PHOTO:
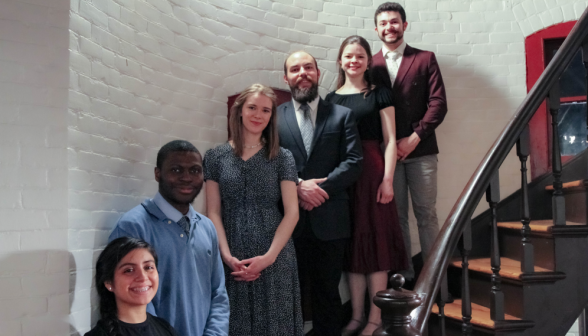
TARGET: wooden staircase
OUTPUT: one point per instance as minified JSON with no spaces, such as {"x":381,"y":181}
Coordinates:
{"x":543,"y":302}
{"x":520,"y":268}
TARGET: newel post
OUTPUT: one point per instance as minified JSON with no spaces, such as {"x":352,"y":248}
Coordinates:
{"x":397,"y":304}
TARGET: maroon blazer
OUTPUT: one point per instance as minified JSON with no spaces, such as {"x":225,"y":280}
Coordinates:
{"x":419,"y":96}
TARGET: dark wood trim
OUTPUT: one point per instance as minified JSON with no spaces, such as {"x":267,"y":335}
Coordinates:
{"x":579,"y":231}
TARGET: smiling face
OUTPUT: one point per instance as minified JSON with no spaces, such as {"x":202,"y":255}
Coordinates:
{"x":180,"y":179}
{"x":354,"y":60}
{"x":256,"y":113}
{"x":302,"y":76}
{"x":390,"y":28}
{"x":135,"y":280}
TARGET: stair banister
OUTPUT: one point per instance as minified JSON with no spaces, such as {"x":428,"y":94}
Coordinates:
{"x":429,"y":281}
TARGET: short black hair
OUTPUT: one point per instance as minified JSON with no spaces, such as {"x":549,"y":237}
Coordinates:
{"x":390,"y":7}
{"x":286,"y":60}
{"x":174,"y":146}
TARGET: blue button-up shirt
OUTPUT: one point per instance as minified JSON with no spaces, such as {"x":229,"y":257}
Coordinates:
{"x":192,"y":295}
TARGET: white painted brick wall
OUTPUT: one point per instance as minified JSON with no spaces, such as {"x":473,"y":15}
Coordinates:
{"x":34,"y":258}
{"x":143,"y":72}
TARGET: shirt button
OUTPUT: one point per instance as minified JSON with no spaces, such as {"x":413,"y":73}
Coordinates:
{"x":182,"y":235}
{"x":168,"y":222}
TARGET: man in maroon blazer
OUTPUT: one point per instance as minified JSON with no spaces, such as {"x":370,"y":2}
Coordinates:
{"x":419,"y":95}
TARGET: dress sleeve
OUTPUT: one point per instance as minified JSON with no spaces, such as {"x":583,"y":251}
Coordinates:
{"x":329,"y":96}
{"x":384,"y":97}
{"x":210,"y":165}
{"x":287,"y":166}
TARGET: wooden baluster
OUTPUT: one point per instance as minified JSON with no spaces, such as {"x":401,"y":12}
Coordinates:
{"x":585,"y":60}
{"x":441,"y":300}
{"x":496,"y":295}
{"x":465,"y":246}
{"x":557,"y":200}
{"x":527,"y":263}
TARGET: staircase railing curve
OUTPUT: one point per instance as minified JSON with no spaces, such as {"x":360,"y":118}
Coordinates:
{"x":397,"y":303}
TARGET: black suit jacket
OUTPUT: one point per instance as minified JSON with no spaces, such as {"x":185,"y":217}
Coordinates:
{"x":419,"y":94}
{"x":335,"y":154}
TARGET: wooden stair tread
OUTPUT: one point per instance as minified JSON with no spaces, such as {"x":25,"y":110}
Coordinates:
{"x":569,"y":185}
{"x":480,"y":314}
{"x":543,"y":225}
{"x":509,"y":268}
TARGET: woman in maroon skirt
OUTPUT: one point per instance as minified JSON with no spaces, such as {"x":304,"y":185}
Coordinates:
{"x":376,"y":245}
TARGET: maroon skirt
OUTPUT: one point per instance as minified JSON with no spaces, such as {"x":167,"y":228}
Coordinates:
{"x":376,"y":240}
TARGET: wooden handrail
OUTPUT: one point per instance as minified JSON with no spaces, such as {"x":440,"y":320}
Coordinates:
{"x":430,"y":278}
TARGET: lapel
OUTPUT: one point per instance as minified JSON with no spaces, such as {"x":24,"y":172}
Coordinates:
{"x":290,"y":117}
{"x":407,"y":60}
{"x":322,"y":114}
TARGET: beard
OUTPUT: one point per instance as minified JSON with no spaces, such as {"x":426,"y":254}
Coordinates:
{"x":399,"y":36}
{"x":304,"y":95}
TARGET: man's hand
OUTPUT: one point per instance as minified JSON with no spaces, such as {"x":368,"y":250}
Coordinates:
{"x":405,"y":146}
{"x":309,"y":192}
{"x":304,"y":205}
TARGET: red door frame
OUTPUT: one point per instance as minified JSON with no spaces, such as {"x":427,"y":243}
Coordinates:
{"x":540,"y":123}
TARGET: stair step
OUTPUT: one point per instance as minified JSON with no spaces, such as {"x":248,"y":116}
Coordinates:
{"x":579,"y":184}
{"x":546,"y":226}
{"x":509,"y":268}
{"x":481,"y":317}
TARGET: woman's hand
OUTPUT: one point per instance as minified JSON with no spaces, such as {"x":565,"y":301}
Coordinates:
{"x":385,"y":193}
{"x":240,"y":272}
{"x":257,"y":264}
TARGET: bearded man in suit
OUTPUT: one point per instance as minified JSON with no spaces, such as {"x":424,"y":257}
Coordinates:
{"x":414,"y":77}
{"x":324,"y":141}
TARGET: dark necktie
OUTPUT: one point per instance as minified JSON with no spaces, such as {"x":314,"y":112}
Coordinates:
{"x":184,"y":223}
{"x":306,"y":128}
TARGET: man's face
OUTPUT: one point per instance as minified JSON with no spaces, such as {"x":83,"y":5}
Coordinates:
{"x":180,"y":178}
{"x":390,"y":27}
{"x":302,"y":76}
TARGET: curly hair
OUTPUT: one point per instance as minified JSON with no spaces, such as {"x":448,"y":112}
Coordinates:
{"x":114,"y":252}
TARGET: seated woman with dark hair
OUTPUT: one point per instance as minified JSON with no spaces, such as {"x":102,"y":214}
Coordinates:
{"x":126,"y":281}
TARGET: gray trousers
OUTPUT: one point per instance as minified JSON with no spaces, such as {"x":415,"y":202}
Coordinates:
{"x":419,"y":175}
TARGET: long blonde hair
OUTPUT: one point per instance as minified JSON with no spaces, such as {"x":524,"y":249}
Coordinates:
{"x":269,"y":134}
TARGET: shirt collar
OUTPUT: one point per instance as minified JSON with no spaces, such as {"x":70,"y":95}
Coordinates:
{"x":312,"y":104}
{"x":172,"y":213}
{"x":399,"y":50}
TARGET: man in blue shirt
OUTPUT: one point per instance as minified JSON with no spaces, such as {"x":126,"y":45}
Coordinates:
{"x":192,"y":295}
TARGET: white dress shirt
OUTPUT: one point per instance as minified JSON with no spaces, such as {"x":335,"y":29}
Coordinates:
{"x":393,"y":59}
{"x":313,"y":110}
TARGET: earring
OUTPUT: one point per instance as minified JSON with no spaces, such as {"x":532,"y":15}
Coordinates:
{"x":109,"y":288}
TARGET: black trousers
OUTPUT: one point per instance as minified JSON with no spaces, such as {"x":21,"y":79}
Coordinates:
{"x":320,"y":264}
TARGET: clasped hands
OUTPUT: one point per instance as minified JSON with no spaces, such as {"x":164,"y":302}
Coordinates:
{"x":310,"y":195}
{"x":248,"y":269}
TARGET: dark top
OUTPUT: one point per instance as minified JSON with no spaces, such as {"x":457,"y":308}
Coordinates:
{"x":153,"y":326}
{"x":366,"y":110}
